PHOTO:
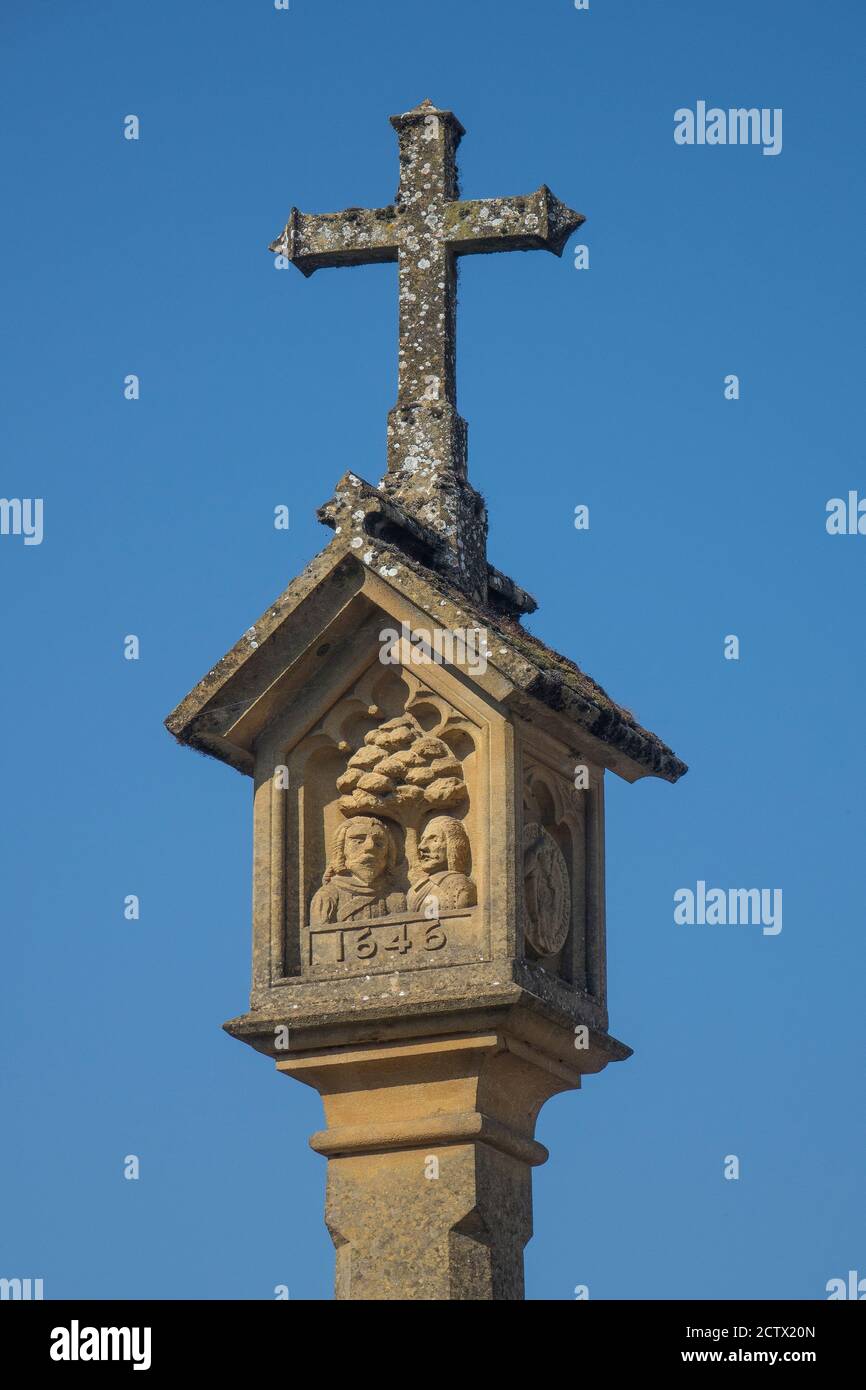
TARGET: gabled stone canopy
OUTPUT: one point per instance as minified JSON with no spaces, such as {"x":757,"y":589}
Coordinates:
{"x":382,"y":561}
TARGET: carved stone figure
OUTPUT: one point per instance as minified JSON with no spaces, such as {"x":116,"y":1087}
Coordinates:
{"x":357,"y":885}
{"x":442,"y":868}
{"x":546,"y":890}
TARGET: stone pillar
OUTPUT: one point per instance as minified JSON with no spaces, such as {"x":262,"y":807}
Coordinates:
{"x":430,"y":1145}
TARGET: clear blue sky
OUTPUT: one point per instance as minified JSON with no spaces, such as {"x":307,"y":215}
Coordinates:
{"x":602,"y":387}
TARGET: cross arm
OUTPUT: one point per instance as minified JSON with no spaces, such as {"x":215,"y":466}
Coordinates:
{"x":539,"y":222}
{"x":356,"y":236}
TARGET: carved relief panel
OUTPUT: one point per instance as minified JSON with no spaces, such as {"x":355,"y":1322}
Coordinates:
{"x":563,"y":871}
{"x":378,"y":848}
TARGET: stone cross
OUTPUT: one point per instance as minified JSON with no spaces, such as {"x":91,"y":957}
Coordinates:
{"x":428,"y":870}
{"x":424,"y":230}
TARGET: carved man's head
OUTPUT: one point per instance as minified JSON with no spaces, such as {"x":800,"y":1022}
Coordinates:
{"x":444,"y":845}
{"x":364,"y":846}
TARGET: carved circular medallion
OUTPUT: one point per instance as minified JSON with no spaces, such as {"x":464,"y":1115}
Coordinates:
{"x":546,"y":891}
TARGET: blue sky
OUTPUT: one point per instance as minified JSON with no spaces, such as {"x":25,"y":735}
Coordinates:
{"x":602,"y":387}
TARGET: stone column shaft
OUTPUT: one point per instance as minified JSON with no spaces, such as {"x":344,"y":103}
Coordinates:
{"x":430,"y":1148}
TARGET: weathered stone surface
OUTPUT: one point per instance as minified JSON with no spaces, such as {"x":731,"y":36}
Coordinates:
{"x":379,"y":548}
{"x":425,"y":230}
{"x":428,"y":873}
{"x":462,"y":1085}
{"x":430,"y":1148}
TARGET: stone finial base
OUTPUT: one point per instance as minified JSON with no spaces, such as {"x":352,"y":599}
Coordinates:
{"x":430,"y":1148}
{"x":427,"y":475}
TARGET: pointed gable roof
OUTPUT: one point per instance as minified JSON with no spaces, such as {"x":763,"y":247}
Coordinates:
{"x":381,"y":560}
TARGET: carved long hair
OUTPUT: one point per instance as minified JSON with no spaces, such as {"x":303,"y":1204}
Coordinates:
{"x":457,"y":848}
{"x":337,"y":861}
